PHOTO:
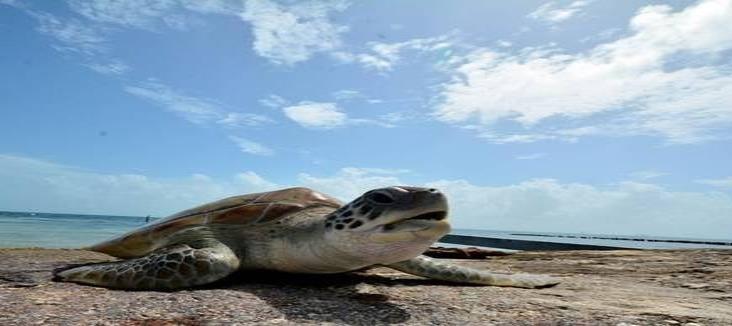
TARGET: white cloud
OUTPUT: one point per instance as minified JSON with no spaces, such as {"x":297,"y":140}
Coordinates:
{"x":384,"y":56}
{"x":151,"y":14}
{"x":255,"y":180}
{"x":87,"y":38}
{"x":625,"y":87}
{"x":287,"y":34}
{"x":504,"y":43}
{"x":722,"y":182}
{"x":250,"y":147}
{"x":273,"y":101}
{"x":647,"y":174}
{"x":347,"y":94}
{"x":194,"y":109}
{"x":604,"y":35}
{"x":399,"y":116}
{"x":369,"y":171}
{"x":77,"y":38}
{"x":327,"y":115}
{"x":236,"y":119}
{"x":532,"y":156}
{"x":13,"y":3}
{"x":520,"y":138}
{"x":142,"y":14}
{"x":224,"y":7}
{"x":349,"y":183}
{"x":553,"y":12}
{"x":111,"y":68}
{"x":31,"y":184}
{"x":72,"y":35}
{"x":88,"y":41}
{"x":316,"y":115}
{"x":283,"y":33}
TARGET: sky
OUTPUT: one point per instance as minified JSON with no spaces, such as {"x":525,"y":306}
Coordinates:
{"x":609,"y":117}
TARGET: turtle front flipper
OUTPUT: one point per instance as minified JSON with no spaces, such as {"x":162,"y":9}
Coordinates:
{"x":168,"y":268}
{"x":429,"y":268}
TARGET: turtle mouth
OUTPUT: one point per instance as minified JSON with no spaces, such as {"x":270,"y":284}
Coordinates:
{"x":436,"y":216}
{"x":430,"y":216}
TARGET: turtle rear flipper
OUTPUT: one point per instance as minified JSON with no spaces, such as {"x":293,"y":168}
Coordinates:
{"x":168,"y":268}
{"x":429,"y":268}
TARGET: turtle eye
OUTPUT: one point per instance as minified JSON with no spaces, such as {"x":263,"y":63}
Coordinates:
{"x":380,"y":198}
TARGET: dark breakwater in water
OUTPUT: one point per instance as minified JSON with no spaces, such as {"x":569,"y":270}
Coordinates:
{"x":523,"y":239}
{"x":623,"y":238}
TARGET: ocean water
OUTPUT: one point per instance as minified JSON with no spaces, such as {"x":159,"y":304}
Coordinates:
{"x":49,"y":230}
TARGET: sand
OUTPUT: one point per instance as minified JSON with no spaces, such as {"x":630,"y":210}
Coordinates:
{"x":654,"y":287}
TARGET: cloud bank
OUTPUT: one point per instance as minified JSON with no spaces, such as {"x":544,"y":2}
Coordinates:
{"x":627,"y":87}
{"x":533,"y":205}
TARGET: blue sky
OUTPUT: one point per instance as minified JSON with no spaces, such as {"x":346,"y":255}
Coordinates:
{"x":574,"y":116}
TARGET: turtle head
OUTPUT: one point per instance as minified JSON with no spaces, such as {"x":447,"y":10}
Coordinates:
{"x":390,"y":224}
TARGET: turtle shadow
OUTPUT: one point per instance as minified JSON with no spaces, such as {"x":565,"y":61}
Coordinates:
{"x":332,"y":298}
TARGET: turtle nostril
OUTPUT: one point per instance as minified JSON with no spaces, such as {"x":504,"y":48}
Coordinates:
{"x":433,"y":190}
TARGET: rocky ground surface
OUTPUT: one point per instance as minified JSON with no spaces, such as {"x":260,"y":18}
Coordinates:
{"x":680,"y":287}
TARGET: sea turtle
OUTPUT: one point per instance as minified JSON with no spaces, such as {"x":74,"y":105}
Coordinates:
{"x":295,"y":230}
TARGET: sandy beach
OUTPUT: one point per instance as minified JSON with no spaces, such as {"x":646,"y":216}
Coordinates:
{"x":655,"y":287}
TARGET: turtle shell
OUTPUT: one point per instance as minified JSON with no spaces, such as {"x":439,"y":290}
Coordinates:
{"x":249,"y":209}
